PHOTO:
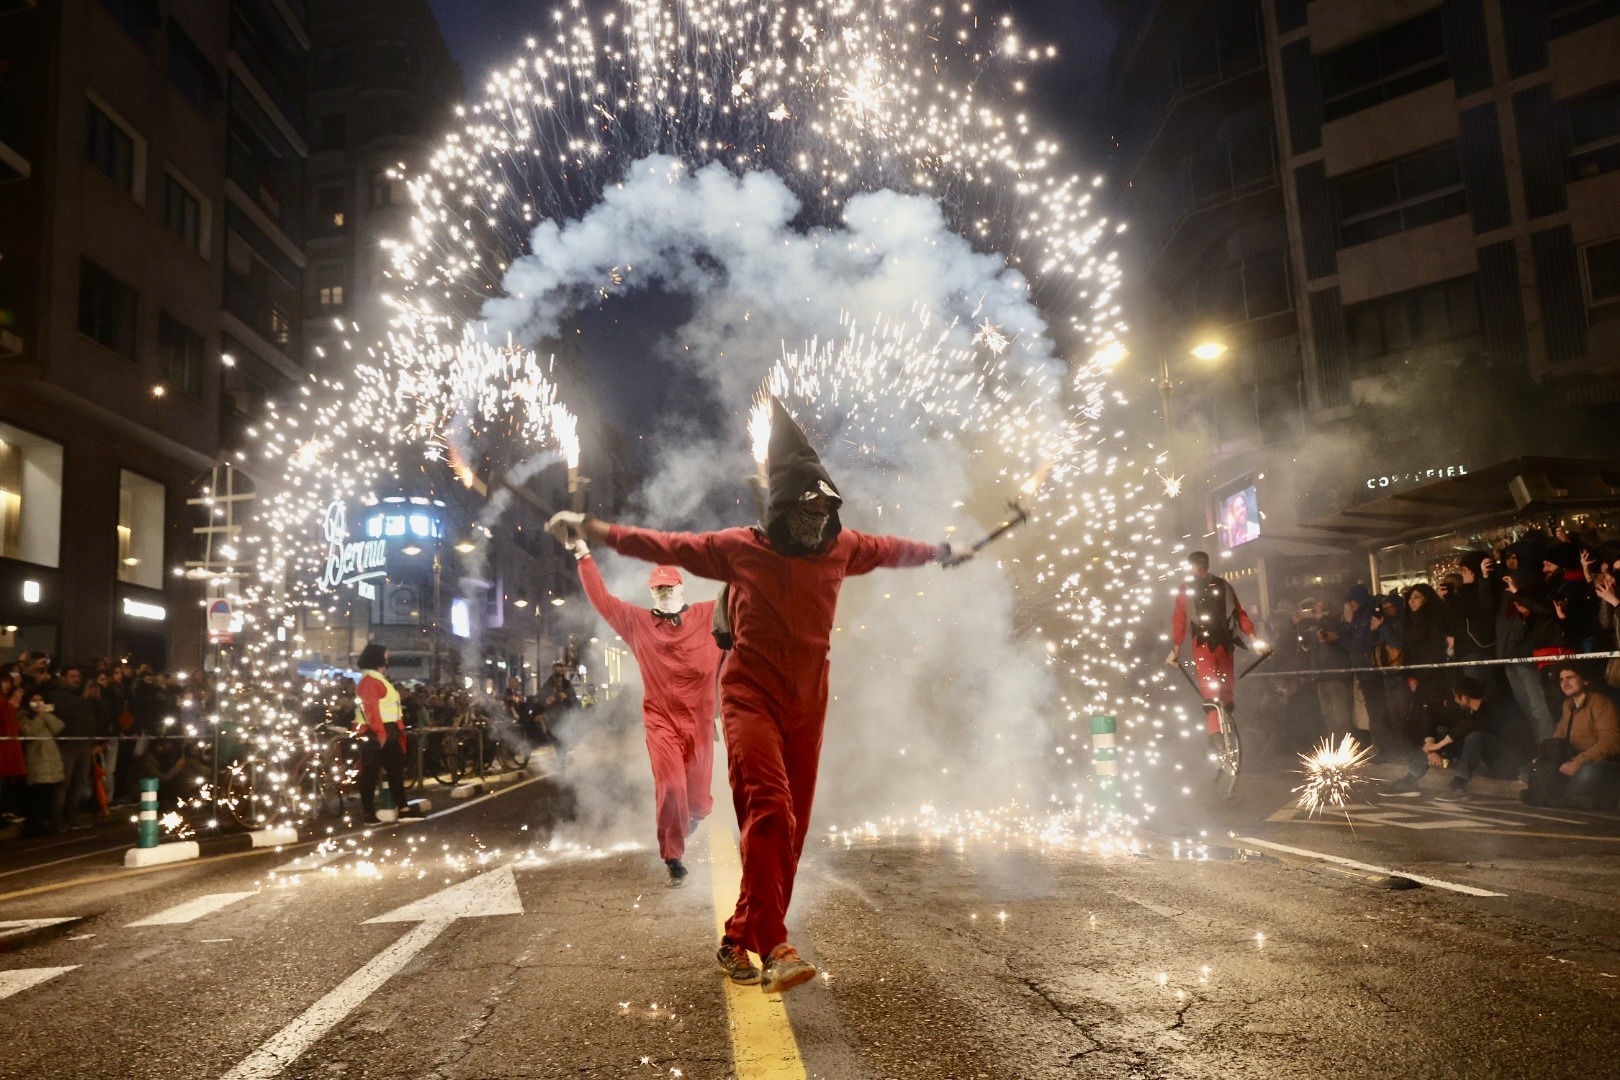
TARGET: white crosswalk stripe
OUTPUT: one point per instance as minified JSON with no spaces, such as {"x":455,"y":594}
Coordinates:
{"x":192,"y":910}
{"x":20,"y":979}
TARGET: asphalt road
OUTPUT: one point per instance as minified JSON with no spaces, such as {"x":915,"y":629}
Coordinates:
{"x":1219,"y":941}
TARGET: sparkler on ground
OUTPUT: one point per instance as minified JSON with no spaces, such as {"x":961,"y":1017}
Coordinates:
{"x":1332,"y":771}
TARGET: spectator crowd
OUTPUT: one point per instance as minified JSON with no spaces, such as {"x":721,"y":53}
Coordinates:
{"x":1533,"y":712}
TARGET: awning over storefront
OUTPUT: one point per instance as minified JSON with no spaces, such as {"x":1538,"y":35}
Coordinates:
{"x":1521,"y":488}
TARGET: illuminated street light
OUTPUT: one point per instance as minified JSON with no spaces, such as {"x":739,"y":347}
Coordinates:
{"x":1209,"y":350}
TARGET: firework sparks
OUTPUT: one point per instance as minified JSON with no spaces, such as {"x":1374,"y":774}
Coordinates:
{"x":1332,"y":771}
{"x":837,"y":98}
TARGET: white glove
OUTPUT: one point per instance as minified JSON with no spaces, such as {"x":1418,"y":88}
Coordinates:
{"x":580,"y":548}
{"x":953,"y":554}
{"x":567,"y":526}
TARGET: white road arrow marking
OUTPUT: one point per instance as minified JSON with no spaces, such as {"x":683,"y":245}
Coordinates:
{"x":17,"y":927}
{"x":20,"y":979}
{"x":494,"y":893}
{"x":192,"y":910}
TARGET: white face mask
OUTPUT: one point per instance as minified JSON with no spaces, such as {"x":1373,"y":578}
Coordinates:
{"x":669,"y":598}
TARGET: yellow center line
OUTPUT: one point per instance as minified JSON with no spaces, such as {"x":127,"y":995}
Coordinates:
{"x":762,"y":1042}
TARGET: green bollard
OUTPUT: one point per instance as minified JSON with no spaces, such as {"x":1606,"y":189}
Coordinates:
{"x":1105,"y":762}
{"x":148,"y":831}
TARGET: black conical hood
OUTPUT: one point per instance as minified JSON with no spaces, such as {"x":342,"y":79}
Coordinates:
{"x":794,"y":470}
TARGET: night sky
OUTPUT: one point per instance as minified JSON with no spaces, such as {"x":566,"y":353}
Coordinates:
{"x":484,"y":34}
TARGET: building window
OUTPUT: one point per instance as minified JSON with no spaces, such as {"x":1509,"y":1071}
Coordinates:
{"x":334,"y":67}
{"x":180,"y":355}
{"x":106,"y":309}
{"x":398,"y":64}
{"x":332,"y":132}
{"x":30,"y":497}
{"x":280,"y":327}
{"x":1419,"y":189}
{"x":1440,"y":314}
{"x":140,"y":530}
{"x":1593,"y":124}
{"x":1244,"y":291}
{"x":1568,"y":16}
{"x":110,"y":147}
{"x":190,"y":70}
{"x":331,"y":208}
{"x":135,"y":16}
{"x":182,"y":212}
{"x":1602,"y":281}
{"x":1385,"y":66}
{"x":329,"y":285}
{"x":387,"y":191}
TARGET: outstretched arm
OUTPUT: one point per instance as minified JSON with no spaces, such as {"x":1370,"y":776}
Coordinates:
{"x":872,"y":552}
{"x":619,"y":614}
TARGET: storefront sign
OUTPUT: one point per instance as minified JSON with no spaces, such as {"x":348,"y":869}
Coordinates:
{"x":348,"y":563}
{"x":137,"y":610}
{"x":1374,"y":483}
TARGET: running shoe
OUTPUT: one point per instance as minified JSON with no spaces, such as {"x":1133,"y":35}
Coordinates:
{"x":785,"y":969}
{"x":735,"y":963}
{"x":677,"y":873}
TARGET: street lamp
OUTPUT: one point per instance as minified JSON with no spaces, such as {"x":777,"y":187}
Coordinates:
{"x":1208,"y":349}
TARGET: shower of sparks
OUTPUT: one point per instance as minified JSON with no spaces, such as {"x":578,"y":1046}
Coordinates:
{"x":1172,"y":484}
{"x":759,"y":429}
{"x":837,"y":98}
{"x":1332,"y":770}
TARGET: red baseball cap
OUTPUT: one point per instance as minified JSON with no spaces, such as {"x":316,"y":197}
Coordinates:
{"x":663,"y":575}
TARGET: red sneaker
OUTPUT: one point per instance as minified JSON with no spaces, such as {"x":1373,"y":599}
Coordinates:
{"x":785,"y":969}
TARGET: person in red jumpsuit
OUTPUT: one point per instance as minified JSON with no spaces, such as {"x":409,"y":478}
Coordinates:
{"x":679,"y":660}
{"x":1207,"y":610}
{"x":783,"y":580}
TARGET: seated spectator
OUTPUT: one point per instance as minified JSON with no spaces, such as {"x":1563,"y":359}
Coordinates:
{"x":1489,"y":737}
{"x":1579,"y":767}
{"x":180,"y":766}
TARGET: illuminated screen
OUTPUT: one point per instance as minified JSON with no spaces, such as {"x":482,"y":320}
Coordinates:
{"x":460,"y":618}
{"x":1238,"y":518}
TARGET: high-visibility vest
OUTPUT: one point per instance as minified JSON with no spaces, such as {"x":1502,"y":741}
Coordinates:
{"x":387,"y":706}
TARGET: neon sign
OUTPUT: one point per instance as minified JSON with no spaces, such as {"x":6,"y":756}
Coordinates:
{"x":350,"y":562}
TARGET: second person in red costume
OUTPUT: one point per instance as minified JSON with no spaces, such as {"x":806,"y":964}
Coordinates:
{"x":678,"y":658}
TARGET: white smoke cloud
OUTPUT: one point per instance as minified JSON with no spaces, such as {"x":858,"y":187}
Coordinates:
{"x":937,"y":699}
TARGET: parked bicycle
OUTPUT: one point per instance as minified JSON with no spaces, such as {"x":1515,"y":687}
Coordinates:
{"x":299,"y":783}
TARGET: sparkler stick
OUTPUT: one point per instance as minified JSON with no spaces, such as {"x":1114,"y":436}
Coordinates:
{"x":567,"y":428}
{"x":1017,"y":517}
{"x":1262,"y":656}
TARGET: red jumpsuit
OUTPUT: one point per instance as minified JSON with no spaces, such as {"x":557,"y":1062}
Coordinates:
{"x":773,"y":699}
{"x":678,"y":666}
{"x":1211,"y":648}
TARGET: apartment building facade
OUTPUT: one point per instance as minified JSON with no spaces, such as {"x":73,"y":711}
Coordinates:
{"x":1443,"y":180}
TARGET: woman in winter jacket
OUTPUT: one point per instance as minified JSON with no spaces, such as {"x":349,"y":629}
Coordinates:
{"x":40,"y":725}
